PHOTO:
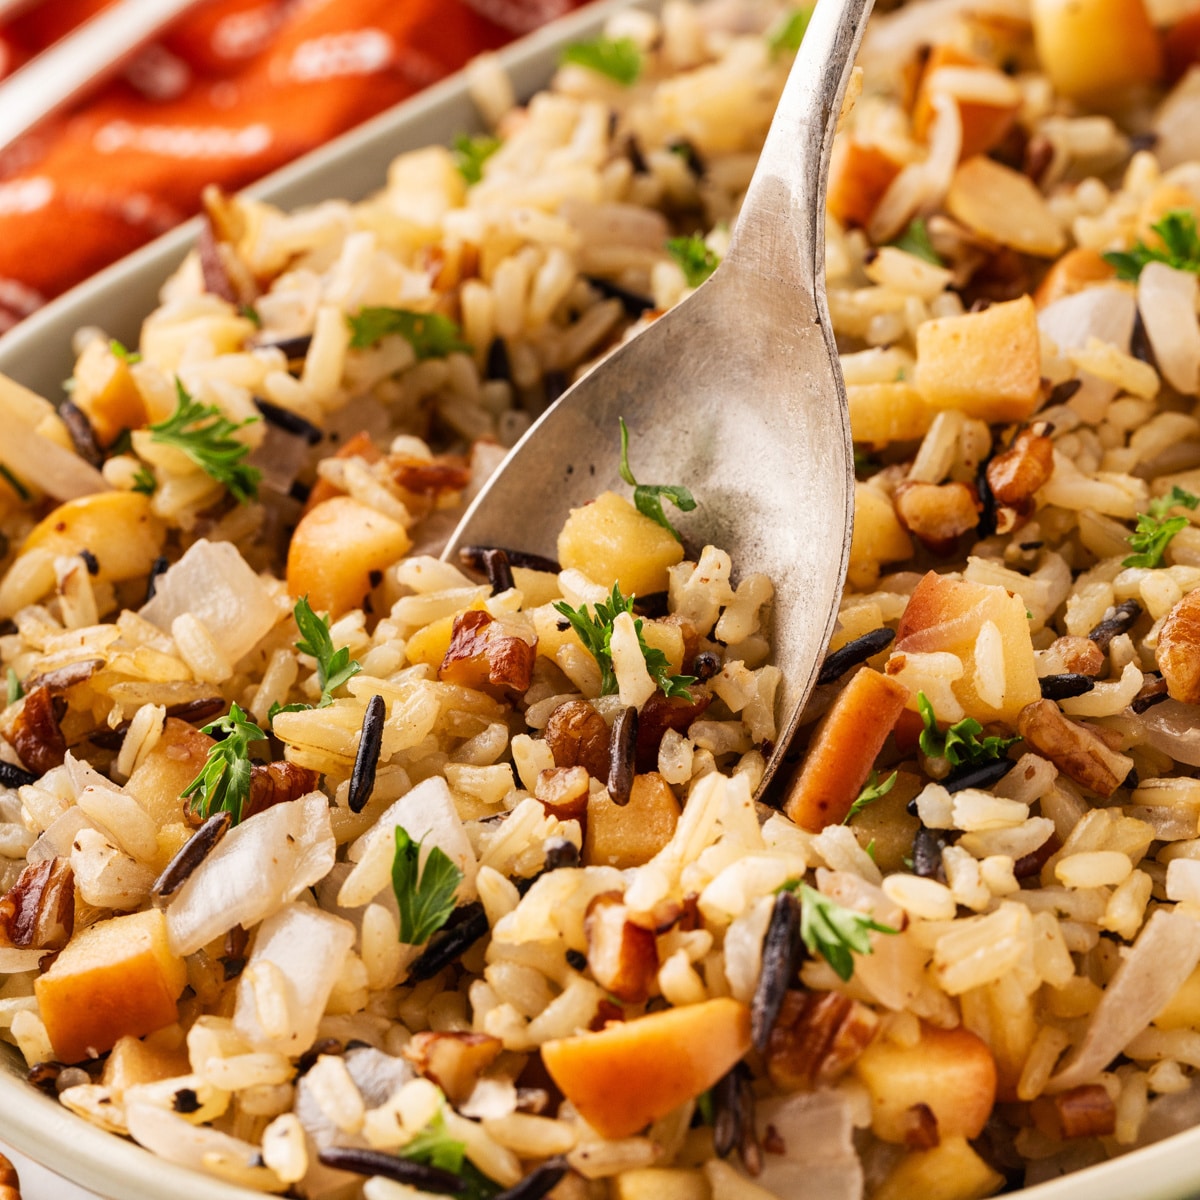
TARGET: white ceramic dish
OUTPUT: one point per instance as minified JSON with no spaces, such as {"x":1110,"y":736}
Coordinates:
{"x":38,"y":354}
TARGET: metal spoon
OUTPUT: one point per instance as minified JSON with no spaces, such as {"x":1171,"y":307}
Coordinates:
{"x":736,"y":393}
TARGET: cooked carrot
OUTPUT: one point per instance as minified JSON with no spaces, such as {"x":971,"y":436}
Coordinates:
{"x":844,"y":749}
{"x":858,"y":176}
{"x":983,"y":125}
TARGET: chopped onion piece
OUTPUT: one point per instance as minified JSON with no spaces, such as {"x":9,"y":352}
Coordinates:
{"x":1166,"y":298}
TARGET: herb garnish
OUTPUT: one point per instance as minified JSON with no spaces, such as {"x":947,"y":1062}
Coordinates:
{"x":1180,"y":247}
{"x":224,"y":782}
{"x":960,"y":743}
{"x":251,"y":314}
{"x":14,"y":689}
{"x":1155,"y":529}
{"x":874,"y":790}
{"x":695,"y":259}
{"x":23,"y":493}
{"x":595,"y":631}
{"x":435,"y":1147}
{"x":205,"y":435}
{"x":431,"y":335}
{"x":144,"y":481}
{"x":831,"y":929}
{"x":648,"y":497}
{"x":915,"y":241}
{"x":425,"y":895}
{"x":470,"y":153}
{"x":618,"y":58}
{"x":789,"y":31}
{"x":334,"y":667}
{"x":129,"y":357}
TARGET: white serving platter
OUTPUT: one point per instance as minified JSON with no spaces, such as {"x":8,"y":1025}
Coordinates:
{"x":38,"y":354}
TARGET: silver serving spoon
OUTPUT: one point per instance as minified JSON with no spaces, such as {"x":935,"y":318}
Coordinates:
{"x":736,"y":393}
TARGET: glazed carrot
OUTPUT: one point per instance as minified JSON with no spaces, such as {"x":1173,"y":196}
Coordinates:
{"x":844,"y":749}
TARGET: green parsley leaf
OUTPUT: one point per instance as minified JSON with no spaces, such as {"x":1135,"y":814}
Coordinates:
{"x":15,"y":690}
{"x":961,"y":743}
{"x":431,"y":335}
{"x":23,"y":493}
{"x":224,"y":782}
{"x":648,"y":497}
{"x":470,"y":153}
{"x":915,"y":241}
{"x":706,"y":1107}
{"x":695,"y":259}
{"x":1155,"y":529}
{"x":833,"y":931}
{"x":434,"y":1147}
{"x":251,"y":314}
{"x":788,"y":32}
{"x":1180,"y":247}
{"x":144,"y":481}
{"x":205,"y":435}
{"x":123,"y":352}
{"x":865,"y":461}
{"x":425,"y":894}
{"x":873,"y":791}
{"x":595,"y":631}
{"x":334,"y":667}
{"x":618,"y":58}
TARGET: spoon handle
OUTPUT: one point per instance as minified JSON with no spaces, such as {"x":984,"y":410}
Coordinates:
{"x":781,"y":228}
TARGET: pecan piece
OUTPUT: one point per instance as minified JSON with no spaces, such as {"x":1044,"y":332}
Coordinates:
{"x":816,"y":1039}
{"x":661,"y":713}
{"x":38,"y":911}
{"x":34,"y":733}
{"x":1077,"y":750}
{"x":622,"y":956}
{"x":276,"y":783}
{"x":62,"y":678}
{"x":1178,"y":653}
{"x":1015,"y":475}
{"x":578,"y":737}
{"x":482,"y":653}
{"x":1080,"y":655}
{"x":936,"y":514}
{"x":563,"y":792}
{"x":454,"y":1061}
{"x":1085,"y":1111}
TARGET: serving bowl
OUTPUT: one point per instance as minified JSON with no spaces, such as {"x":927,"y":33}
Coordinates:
{"x":38,"y":354}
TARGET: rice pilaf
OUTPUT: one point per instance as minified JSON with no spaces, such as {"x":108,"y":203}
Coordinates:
{"x":332,"y":869}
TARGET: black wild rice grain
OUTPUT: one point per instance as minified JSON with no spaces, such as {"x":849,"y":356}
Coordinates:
{"x":560,"y":854}
{"x":83,"y":436}
{"x":449,"y":946}
{"x":288,"y":421}
{"x":14,"y":777}
{"x":44,"y":1075}
{"x":782,"y":952}
{"x":733,"y":1117}
{"x":690,"y":155}
{"x":853,"y":653}
{"x":555,"y":383}
{"x":1139,"y":340}
{"x":292,"y":347}
{"x":90,"y":561}
{"x":1060,"y":393}
{"x":622,"y":754}
{"x":978,"y":775}
{"x":195,"y":711}
{"x":1120,"y":620}
{"x":498,"y":363}
{"x":927,"y":854}
{"x":308,"y":1059}
{"x":159,"y":565}
{"x":539,"y":1182}
{"x":499,"y":570}
{"x":186,"y":1101}
{"x":1062,"y":687}
{"x":705,"y":665}
{"x":191,"y":854}
{"x":632,"y":303}
{"x":1153,"y":692}
{"x":472,"y":557}
{"x":366,"y":761}
{"x":401,"y":1170}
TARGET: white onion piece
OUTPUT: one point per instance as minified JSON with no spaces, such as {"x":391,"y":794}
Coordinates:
{"x":1177,"y":123}
{"x":1167,"y":301}
{"x":307,"y":949}
{"x":377,"y":1076}
{"x":818,"y":1160}
{"x":1105,"y":312}
{"x":1172,"y":728}
{"x":1164,"y":955}
{"x":258,"y":867}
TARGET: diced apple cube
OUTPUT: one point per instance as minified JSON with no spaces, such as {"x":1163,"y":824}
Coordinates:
{"x":950,"y":1171}
{"x":632,"y":835}
{"x":106,"y":391}
{"x":878,"y":536}
{"x":117,"y":528}
{"x":1091,"y":47}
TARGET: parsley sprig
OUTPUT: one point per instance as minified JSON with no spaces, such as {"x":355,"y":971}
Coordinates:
{"x":915,"y":241}
{"x":224,"y":782}
{"x":435,"y":1146}
{"x":648,"y":497}
{"x":960,"y":743}
{"x":832,"y":930}
{"x":431,"y":335}
{"x":334,"y":666}
{"x":789,"y":31}
{"x":119,"y":350}
{"x":695,"y":259}
{"x":425,"y":895}
{"x":874,"y":790}
{"x":144,"y":481}
{"x":1180,"y":247}
{"x":13,"y":689}
{"x":618,"y":58}
{"x":1155,"y":529}
{"x":595,"y":630}
{"x":205,"y":435}
{"x":470,"y":153}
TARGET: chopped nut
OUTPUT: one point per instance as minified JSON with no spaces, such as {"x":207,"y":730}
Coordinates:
{"x":1080,"y":655}
{"x":661,"y":713}
{"x":563,"y":792}
{"x":936,"y":514}
{"x":481,"y":653}
{"x":10,"y":1185}
{"x":816,"y":1038}
{"x":62,"y":678}
{"x":1178,"y":652}
{"x":454,"y":1061}
{"x":38,"y":911}
{"x":277,"y":783}
{"x":1086,"y":1111}
{"x":921,"y":1132}
{"x":428,"y":478}
{"x":578,"y":737}
{"x":34,"y":733}
{"x":1077,"y":750}
{"x":622,"y":956}
{"x":1015,"y":475}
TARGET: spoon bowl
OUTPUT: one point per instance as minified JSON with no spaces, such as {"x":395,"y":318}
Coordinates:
{"x":736,"y":394}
